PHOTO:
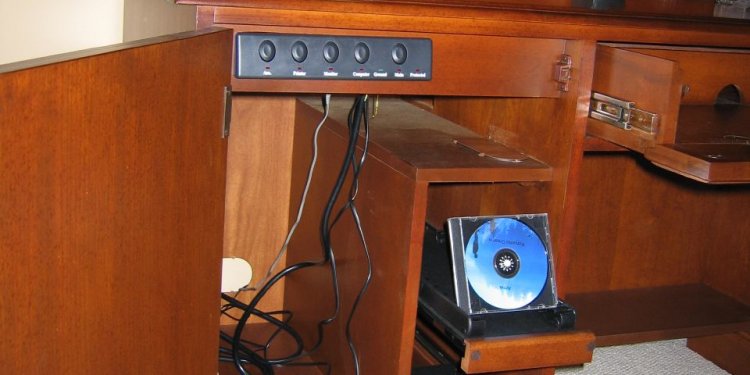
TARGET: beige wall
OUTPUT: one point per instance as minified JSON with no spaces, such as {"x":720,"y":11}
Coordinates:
{"x":36,"y":28}
{"x":147,"y":18}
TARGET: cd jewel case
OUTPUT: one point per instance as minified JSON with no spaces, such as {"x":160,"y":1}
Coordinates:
{"x":490,"y":276}
{"x":502,"y":263}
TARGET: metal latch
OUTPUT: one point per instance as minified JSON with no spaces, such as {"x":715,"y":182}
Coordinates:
{"x":562,"y":72}
{"x":227,"y":120}
{"x":622,"y":114}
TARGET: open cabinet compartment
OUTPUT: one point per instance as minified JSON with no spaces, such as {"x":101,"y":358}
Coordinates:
{"x":411,"y":154}
{"x":701,"y":129}
{"x":657,"y":255}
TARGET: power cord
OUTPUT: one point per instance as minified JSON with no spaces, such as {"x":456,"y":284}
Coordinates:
{"x":239,"y":353}
{"x":351,"y":207}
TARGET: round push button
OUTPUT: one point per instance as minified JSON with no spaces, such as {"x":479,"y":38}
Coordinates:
{"x":267,"y":50}
{"x":331,"y":52}
{"x":398,"y":53}
{"x":361,"y":53}
{"x":299,"y":51}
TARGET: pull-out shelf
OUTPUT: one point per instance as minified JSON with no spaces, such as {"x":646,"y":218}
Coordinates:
{"x":689,"y":134}
{"x":712,"y":145}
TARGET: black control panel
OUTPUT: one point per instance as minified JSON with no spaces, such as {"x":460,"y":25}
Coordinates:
{"x":284,"y":56}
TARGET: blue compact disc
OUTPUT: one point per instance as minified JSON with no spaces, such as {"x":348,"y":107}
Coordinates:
{"x":506,"y":263}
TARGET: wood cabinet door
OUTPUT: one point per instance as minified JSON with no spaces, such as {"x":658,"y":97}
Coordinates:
{"x":112,"y":166}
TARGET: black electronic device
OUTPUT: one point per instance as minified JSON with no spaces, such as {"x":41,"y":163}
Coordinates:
{"x":286,"y":56}
{"x":490,"y":277}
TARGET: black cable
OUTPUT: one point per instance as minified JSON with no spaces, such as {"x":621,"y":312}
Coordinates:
{"x":250,"y":309}
{"x":281,"y":326}
{"x":356,"y":112}
{"x":240,"y":354}
{"x":360,"y":232}
{"x":350,"y":206}
{"x":353,"y":135}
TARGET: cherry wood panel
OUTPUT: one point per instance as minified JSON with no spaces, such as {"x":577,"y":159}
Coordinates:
{"x":652,"y":83}
{"x":461,"y":65}
{"x":510,"y":355}
{"x":691,"y":141}
{"x":617,"y":221}
{"x":640,"y":226}
{"x":731,"y":351}
{"x":393,"y":206}
{"x":453,"y":200}
{"x":112,"y":208}
{"x":523,"y":352}
{"x":705,"y":162}
{"x":651,"y":314}
{"x":706,"y":71}
{"x":714,"y":124}
{"x":696,"y":11}
{"x":426,"y":147}
{"x":489,"y":19}
{"x":392,"y":213}
{"x":594,"y":143}
{"x":533,"y":126}
{"x":258,"y":203}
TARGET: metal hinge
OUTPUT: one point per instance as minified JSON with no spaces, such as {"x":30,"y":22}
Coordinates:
{"x":563,"y":69}
{"x":227,"y":112}
{"x":622,"y":113}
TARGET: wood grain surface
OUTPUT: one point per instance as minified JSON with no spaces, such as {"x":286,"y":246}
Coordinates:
{"x":112,"y":203}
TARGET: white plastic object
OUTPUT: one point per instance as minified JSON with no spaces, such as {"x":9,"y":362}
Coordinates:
{"x":235,"y":274}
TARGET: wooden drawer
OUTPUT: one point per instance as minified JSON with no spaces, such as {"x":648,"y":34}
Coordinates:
{"x":701,"y":129}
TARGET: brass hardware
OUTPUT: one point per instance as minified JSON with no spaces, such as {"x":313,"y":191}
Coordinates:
{"x":376,"y":107}
{"x":563,"y":70}
{"x":227,"y":112}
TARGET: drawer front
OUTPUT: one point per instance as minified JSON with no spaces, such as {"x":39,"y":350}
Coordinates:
{"x":705,"y":72}
{"x":696,"y":94}
{"x":650,"y":83}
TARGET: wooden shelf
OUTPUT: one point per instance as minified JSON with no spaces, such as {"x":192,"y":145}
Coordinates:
{"x":712,"y":145}
{"x":709,"y":163}
{"x":421,"y":145}
{"x":638,"y":315}
{"x":715,"y":124}
{"x":596,"y":144}
{"x":704,"y":142}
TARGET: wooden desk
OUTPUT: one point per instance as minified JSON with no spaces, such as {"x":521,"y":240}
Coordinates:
{"x":643,"y":253}
{"x":623,"y":230}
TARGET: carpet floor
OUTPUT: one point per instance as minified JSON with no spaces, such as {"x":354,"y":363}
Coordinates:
{"x":654,"y":358}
